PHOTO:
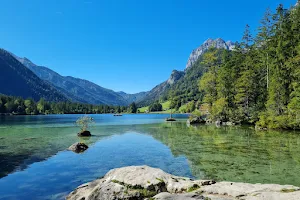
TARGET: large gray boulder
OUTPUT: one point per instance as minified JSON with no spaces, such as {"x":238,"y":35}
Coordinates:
{"x":143,"y":182}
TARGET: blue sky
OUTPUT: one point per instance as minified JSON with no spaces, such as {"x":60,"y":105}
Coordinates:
{"x":128,"y":45}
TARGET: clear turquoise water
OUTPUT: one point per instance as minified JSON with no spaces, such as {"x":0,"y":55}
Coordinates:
{"x":35,"y":165}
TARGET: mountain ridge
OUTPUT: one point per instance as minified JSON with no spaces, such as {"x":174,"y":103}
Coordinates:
{"x":84,"y":91}
{"x":79,"y":90}
{"x":18,"y":80}
{"x":161,"y":90}
{"x":218,"y":43}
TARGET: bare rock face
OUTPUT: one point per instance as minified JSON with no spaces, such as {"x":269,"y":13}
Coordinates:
{"x":218,"y":43}
{"x":143,"y":182}
{"x":175,"y":76}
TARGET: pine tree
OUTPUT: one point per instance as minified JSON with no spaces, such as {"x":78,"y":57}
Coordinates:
{"x":208,"y":82}
{"x":263,"y":37}
{"x":244,"y":85}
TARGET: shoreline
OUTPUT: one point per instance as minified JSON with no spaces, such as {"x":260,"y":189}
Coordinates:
{"x":143,"y":182}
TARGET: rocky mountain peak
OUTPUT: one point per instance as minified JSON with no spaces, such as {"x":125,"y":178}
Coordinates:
{"x":218,"y":43}
{"x":175,"y":76}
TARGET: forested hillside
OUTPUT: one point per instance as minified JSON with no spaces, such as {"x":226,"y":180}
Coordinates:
{"x":259,"y":81}
{"x":184,"y":84}
{"x":17,"y":80}
{"x":20,"y":106}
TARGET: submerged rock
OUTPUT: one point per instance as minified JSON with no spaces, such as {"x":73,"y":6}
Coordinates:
{"x":78,"y":147}
{"x":84,"y":134}
{"x":143,"y":182}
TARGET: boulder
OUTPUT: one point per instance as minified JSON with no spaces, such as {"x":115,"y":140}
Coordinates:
{"x":143,"y":182}
{"x":260,"y":128}
{"x":78,"y":147}
{"x":228,"y":123}
{"x":196,"y":120}
{"x":218,"y":123}
{"x":84,"y":134}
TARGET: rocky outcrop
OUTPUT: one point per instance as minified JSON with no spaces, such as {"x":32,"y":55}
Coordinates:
{"x":161,"y":89}
{"x":218,"y":43}
{"x":143,"y":182}
{"x":78,"y":147}
{"x":175,"y":76}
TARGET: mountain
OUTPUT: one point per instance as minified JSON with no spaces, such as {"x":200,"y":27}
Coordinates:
{"x":185,"y":84}
{"x":218,"y":43}
{"x":17,"y":80}
{"x":133,"y":97}
{"x":162,"y":89}
{"x":80,"y":90}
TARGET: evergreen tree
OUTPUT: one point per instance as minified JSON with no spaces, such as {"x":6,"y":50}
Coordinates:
{"x":133,"y":108}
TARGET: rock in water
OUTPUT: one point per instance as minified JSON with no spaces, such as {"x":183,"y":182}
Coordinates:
{"x":84,"y":134}
{"x":170,"y":120}
{"x":196,"y":120}
{"x":143,"y":182}
{"x":78,"y":147}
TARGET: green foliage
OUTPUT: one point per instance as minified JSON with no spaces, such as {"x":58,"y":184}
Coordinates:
{"x":193,"y":188}
{"x":220,"y":109}
{"x":190,"y":107}
{"x":132,"y":108}
{"x":186,"y":88}
{"x":31,"y":108}
{"x":84,"y":122}
{"x":19,"y":106}
{"x":258,"y":82}
{"x":155,"y":107}
{"x":285,"y":190}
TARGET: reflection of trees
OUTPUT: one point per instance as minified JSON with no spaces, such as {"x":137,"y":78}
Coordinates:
{"x":225,"y":153}
{"x":234,"y":153}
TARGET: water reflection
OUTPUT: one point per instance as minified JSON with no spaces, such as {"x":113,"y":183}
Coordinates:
{"x":34,"y":156}
{"x":63,"y":172}
{"x":235,"y":153}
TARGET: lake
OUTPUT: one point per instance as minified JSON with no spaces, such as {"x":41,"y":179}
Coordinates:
{"x":34,"y":162}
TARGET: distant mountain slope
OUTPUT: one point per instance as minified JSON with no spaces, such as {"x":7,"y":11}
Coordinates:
{"x":162,"y":89}
{"x":95,"y":93}
{"x":17,"y":80}
{"x":133,"y":97}
{"x":218,"y":43}
{"x":80,"y":90}
{"x":185,"y":84}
